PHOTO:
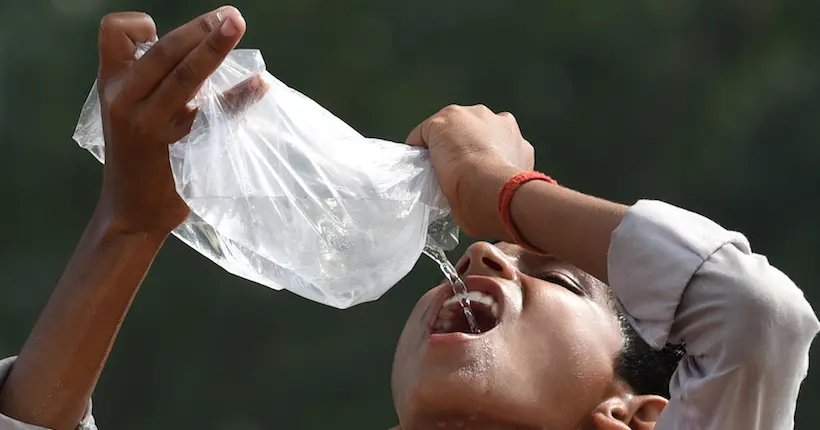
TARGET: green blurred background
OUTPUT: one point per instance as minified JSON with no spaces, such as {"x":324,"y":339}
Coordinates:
{"x":711,"y":105}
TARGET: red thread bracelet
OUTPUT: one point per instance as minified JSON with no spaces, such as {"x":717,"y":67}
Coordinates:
{"x":505,"y":196}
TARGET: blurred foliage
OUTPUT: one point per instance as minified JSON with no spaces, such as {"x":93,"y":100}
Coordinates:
{"x":709,"y":105}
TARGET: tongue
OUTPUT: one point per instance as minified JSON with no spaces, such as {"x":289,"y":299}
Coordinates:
{"x":483,"y":316}
{"x":458,"y":322}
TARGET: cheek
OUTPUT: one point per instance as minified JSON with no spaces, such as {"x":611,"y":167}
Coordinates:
{"x":574,"y":340}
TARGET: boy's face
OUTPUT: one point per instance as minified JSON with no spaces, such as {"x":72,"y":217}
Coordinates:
{"x":544,"y":359}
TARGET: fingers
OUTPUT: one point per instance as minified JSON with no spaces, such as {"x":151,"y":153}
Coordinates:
{"x":118,"y":35}
{"x":507,"y":115}
{"x":416,"y":137}
{"x":419,"y":136}
{"x":165,"y":55}
{"x":235,"y":101}
{"x":244,"y":94}
{"x":181,"y":84}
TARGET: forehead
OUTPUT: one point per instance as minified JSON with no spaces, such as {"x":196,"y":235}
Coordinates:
{"x":535,"y":264}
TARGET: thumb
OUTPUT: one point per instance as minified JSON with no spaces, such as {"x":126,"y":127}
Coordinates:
{"x":118,"y":38}
{"x":416,"y":136}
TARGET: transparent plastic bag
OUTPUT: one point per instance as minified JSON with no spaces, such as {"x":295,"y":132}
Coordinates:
{"x":287,"y":195}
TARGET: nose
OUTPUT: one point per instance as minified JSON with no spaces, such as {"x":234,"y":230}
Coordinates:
{"x":486,"y":259}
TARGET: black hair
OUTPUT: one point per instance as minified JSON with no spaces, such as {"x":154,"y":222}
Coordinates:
{"x":646,"y":370}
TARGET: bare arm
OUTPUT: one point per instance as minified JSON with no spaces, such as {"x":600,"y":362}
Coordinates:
{"x":61,"y":361}
{"x":573,"y":226}
{"x":144,"y":109}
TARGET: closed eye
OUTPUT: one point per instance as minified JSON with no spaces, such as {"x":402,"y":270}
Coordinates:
{"x":565,"y":281}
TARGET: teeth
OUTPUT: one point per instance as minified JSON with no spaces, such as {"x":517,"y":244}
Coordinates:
{"x":474,"y":296}
{"x":446,"y":312}
{"x":451,"y":305}
{"x":443,"y":324}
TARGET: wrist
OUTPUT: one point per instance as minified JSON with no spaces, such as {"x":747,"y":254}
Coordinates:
{"x":110,"y":225}
{"x":511,"y":203}
{"x":481,"y":204}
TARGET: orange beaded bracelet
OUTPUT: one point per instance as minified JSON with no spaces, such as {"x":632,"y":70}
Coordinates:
{"x":505,"y":196}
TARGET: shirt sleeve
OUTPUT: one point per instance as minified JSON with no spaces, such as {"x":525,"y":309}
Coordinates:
{"x":7,"y":423}
{"x":747,"y":327}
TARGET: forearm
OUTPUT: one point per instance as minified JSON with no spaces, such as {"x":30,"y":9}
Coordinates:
{"x":573,"y":226}
{"x":61,"y":361}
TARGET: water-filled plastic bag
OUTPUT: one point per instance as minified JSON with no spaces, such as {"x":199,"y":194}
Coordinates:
{"x":286,"y":194}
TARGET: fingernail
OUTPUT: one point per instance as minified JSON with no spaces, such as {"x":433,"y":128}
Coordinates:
{"x":229,"y":26}
{"x":219,"y":13}
{"x":254,"y":83}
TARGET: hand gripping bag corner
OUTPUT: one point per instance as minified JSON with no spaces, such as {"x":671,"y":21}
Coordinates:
{"x":287,"y":195}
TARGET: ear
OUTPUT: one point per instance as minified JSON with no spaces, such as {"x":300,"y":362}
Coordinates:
{"x":628,"y":412}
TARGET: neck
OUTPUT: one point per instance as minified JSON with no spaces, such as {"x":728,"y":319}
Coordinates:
{"x":464,"y":424}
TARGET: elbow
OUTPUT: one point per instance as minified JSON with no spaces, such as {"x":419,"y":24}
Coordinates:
{"x":770,"y":313}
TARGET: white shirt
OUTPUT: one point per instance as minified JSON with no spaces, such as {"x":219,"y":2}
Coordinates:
{"x":683,"y":278}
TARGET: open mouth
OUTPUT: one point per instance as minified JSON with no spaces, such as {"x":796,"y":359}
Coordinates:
{"x":451,"y":318}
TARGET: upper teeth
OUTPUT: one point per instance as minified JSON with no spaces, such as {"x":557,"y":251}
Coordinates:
{"x":443,"y":320}
{"x":478,"y":297}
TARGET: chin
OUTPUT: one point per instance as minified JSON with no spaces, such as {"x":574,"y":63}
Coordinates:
{"x":468,"y":396}
{"x":448,"y":406}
